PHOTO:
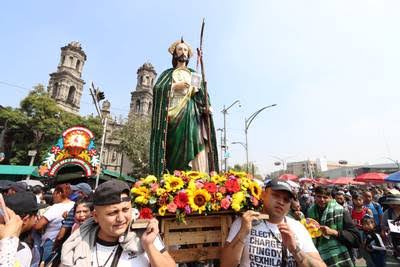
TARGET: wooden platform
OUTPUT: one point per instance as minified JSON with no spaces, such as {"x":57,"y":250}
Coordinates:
{"x":200,"y":239}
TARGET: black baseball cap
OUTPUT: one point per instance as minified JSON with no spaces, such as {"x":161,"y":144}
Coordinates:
{"x":110,"y":193}
{"x":22,"y":203}
{"x":279,"y":185}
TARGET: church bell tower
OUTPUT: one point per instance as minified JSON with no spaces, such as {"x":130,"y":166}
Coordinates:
{"x":142,"y":97}
{"x":65,"y":85}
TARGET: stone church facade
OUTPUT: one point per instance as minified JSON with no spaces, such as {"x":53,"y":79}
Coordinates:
{"x":66,"y":88}
{"x":142,"y":96}
{"x":65,"y":85}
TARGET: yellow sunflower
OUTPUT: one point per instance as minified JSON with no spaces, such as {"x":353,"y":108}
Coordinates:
{"x":218,"y":179}
{"x":239,"y":174}
{"x":198,"y":200}
{"x":142,"y":200}
{"x":255,"y":190}
{"x":219,"y":195}
{"x":173,"y":183}
{"x":162,"y":210}
{"x":160,"y":191}
{"x":237,"y":200}
{"x":215,"y":206}
{"x":245,"y":183}
{"x":150,"y":179}
{"x":191,"y":185}
{"x":194,"y":175}
{"x":141,"y":191}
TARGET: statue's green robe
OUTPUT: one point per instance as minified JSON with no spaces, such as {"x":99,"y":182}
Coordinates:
{"x":175,"y":143}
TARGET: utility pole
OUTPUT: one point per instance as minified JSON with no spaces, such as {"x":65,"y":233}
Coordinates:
{"x":225,"y":111}
{"x":221,"y":146}
{"x":32,"y":154}
{"x":98,"y":96}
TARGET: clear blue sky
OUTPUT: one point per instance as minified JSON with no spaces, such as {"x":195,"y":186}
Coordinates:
{"x":331,"y":66}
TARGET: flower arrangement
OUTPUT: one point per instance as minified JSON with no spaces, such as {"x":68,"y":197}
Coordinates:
{"x":191,"y":192}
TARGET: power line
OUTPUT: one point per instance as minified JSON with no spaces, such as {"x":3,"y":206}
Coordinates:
{"x":15,"y":85}
{"x":30,"y":89}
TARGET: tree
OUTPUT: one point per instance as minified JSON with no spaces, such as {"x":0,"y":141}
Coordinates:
{"x":135,"y":143}
{"x":37,"y":124}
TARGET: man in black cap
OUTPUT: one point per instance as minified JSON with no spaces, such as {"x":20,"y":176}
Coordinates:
{"x":276,"y":241}
{"x":25,"y":206}
{"x":108,"y":240}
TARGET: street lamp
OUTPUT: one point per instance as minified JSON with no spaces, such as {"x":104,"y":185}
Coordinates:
{"x":240,"y":143}
{"x":247,"y":123}
{"x":221,"y":142}
{"x":225,"y":111}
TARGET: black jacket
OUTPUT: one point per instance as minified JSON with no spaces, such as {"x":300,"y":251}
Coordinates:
{"x":350,"y":235}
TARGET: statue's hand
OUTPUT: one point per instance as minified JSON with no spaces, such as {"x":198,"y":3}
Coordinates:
{"x":180,"y":86}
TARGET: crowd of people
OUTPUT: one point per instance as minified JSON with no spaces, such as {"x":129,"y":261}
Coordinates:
{"x":79,"y":226}
{"x":359,"y":218}
{"x":76,"y":227}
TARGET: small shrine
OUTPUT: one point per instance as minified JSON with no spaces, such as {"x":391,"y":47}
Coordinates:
{"x":75,"y":147}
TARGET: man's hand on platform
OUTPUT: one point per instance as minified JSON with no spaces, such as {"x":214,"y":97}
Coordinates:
{"x":150,"y":234}
{"x":247,"y":218}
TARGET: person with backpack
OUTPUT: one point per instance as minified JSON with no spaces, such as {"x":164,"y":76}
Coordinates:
{"x":375,"y":207}
{"x":374,"y":250}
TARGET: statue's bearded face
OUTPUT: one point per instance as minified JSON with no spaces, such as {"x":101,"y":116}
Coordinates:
{"x":181,"y":52}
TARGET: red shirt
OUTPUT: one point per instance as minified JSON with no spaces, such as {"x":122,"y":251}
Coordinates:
{"x":358,"y":215}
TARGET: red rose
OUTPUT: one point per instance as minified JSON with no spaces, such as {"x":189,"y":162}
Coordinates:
{"x":232,"y":185}
{"x":145,"y":213}
{"x":225,"y":203}
{"x":181,"y":199}
{"x":210,"y":187}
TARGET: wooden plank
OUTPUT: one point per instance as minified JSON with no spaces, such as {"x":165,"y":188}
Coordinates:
{"x":224,"y":228}
{"x":195,"y":254}
{"x":186,"y":238}
{"x":195,"y":222}
{"x":165,"y":232}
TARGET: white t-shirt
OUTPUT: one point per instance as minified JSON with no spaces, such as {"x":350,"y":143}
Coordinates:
{"x":263,"y":245}
{"x":127,"y":258}
{"x":55,"y":218}
{"x":24,"y":255}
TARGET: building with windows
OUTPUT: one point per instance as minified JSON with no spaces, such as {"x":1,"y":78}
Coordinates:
{"x":66,"y":88}
{"x":307,"y":168}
